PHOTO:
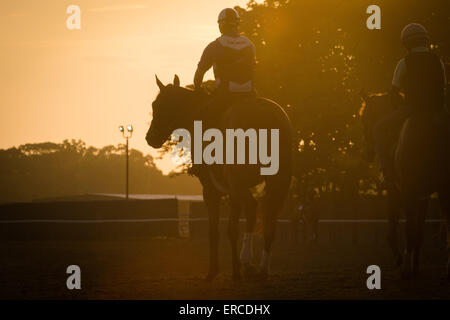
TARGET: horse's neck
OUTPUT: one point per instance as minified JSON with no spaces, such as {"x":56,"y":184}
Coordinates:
{"x":381,"y":108}
{"x":194,"y":110}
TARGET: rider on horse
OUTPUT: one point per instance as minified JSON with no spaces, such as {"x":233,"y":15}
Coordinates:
{"x":232,"y":57}
{"x":420,"y":77}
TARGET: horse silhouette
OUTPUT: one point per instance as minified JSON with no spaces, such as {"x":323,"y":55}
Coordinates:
{"x":178,"y":107}
{"x":422,"y":165}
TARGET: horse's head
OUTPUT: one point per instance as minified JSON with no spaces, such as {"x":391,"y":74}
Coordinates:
{"x":168,"y":112}
{"x":374,"y":108}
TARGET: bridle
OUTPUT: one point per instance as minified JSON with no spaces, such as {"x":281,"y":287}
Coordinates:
{"x":174,"y":120}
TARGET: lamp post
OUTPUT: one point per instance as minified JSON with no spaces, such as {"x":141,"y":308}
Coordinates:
{"x":127,"y":135}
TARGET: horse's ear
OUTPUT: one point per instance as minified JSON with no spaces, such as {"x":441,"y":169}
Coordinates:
{"x":159,"y":83}
{"x":176,"y":81}
{"x":363,"y":94}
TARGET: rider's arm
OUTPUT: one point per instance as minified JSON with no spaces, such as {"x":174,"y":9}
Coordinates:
{"x":397,"y":84}
{"x":399,"y":75}
{"x":198,"y":78}
{"x":206,"y":62}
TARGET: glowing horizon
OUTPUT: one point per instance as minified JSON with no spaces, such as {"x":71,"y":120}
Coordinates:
{"x":60,"y":84}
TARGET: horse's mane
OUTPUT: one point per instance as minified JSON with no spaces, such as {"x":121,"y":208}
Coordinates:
{"x":370,"y":97}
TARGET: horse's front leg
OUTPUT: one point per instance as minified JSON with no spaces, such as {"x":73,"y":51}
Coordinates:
{"x":212,"y":201}
{"x":393,"y":215}
{"x":233,"y":233}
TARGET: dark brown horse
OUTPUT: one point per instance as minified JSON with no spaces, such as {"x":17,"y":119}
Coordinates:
{"x":422,"y":164}
{"x":178,"y":107}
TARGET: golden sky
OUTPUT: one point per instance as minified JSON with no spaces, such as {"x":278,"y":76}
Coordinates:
{"x":58,"y":84}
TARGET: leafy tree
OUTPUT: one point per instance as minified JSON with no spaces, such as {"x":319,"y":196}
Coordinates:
{"x":314,"y":57}
{"x":70,"y":168}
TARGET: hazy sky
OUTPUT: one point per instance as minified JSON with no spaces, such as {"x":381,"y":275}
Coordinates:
{"x":57,"y":83}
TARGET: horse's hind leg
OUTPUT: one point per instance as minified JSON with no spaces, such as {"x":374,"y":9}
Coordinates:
{"x":247,"y":249}
{"x":212,"y":202}
{"x":444,"y":198}
{"x":393,"y":215}
{"x":273,"y":203}
{"x":421,"y":211}
{"x":233,"y":233}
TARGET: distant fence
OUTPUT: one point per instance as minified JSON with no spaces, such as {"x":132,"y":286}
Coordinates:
{"x":134,"y":219}
{"x":87,"y":220}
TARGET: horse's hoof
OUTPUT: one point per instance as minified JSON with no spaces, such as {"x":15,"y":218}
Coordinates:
{"x":249,"y":271}
{"x":211,"y":275}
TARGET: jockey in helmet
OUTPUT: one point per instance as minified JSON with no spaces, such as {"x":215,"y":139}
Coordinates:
{"x":420,"y":76}
{"x":231,"y":55}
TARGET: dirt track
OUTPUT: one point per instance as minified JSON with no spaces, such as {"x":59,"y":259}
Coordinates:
{"x":173,"y":269}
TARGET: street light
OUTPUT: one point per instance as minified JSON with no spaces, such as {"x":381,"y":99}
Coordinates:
{"x":127,"y":135}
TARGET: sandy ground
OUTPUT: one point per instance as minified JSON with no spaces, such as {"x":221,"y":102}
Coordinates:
{"x":174,"y":269}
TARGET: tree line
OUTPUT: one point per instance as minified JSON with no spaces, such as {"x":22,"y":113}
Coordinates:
{"x":41,"y":170}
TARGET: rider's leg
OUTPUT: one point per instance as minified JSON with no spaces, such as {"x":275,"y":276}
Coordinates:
{"x":209,"y":120}
{"x":386,"y":134}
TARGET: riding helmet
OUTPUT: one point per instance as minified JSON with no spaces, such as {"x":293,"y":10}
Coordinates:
{"x":229,"y":16}
{"x":414,"y":33}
